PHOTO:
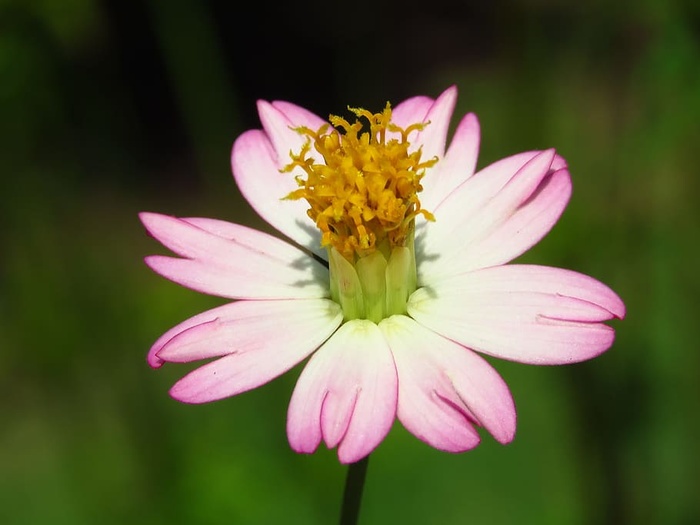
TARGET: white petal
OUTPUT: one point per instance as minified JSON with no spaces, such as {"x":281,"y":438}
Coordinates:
{"x":255,"y":350}
{"x":256,"y":168}
{"x":201,"y":318}
{"x":444,"y":388}
{"x":346,"y":394}
{"x":474,"y":211}
{"x":457,"y":165}
{"x":433,"y":137}
{"x":233,"y":261}
{"x":517,"y":232}
{"x":248,"y":326}
{"x":298,"y":116}
{"x":524,"y":228}
{"x":411,"y":111}
{"x":530,"y":314}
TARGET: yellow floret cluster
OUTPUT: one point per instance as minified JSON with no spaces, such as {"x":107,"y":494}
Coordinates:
{"x":363,"y":192}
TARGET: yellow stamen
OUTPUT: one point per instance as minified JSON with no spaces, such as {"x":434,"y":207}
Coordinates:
{"x":363,"y":195}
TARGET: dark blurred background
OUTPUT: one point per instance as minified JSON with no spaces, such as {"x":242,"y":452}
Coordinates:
{"x":108,"y":108}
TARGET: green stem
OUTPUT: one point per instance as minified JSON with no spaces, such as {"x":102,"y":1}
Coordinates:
{"x":352,"y":498}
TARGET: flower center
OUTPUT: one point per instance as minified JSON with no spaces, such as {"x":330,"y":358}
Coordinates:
{"x":364,"y":194}
{"x":363,"y":198}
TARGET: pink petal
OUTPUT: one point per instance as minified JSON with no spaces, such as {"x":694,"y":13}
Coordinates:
{"x":237,"y":327}
{"x":475,"y":207}
{"x":279,"y":121}
{"x":531,"y":314}
{"x":524,"y":228}
{"x":487,"y":182}
{"x":411,"y":111}
{"x":444,"y":388}
{"x":298,"y":116}
{"x":517,"y":232}
{"x":346,"y":394}
{"x":433,"y":138}
{"x":256,"y":351}
{"x":475,"y":211}
{"x":457,"y":165}
{"x":202,"y":318}
{"x":256,"y":168}
{"x":233,"y":261}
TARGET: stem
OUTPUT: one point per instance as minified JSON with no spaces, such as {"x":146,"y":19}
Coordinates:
{"x":352,"y":497}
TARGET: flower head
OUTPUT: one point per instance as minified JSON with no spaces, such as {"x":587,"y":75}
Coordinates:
{"x":363,"y":191}
{"x":394,"y":281}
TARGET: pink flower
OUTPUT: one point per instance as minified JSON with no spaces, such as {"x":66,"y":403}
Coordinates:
{"x":392,"y":306}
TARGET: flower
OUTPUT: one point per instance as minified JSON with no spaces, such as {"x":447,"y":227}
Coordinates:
{"x":395,"y":279}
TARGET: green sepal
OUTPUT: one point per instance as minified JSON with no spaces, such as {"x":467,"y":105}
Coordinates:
{"x":377,"y":285}
{"x":346,"y":289}
{"x":398,"y":281}
{"x":371,"y":270}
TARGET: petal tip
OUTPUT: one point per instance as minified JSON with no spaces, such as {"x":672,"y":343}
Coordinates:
{"x":156,"y":262}
{"x":351,"y":457}
{"x":451,"y":91}
{"x":148,"y":218}
{"x":618,"y":308}
{"x":145,"y":215}
{"x":549,"y":154}
{"x":262,"y":105}
{"x":153,"y":360}
{"x":304,"y":441}
{"x":472,"y":119}
{"x":506,"y":433}
{"x":185,"y":392}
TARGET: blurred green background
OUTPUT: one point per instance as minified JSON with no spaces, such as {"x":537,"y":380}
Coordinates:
{"x":108,"y":108}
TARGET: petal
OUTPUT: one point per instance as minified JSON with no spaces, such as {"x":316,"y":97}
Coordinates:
{"x":457,"y":165}
{"x":476,"y":206}
{"x":411,"y":110}
{"x":531,"y":314}
{"x":236,"y":327}
{"x":202,"y":318}
{"x":433,"y":137}
{"x":256,"y":168}
{"x":297,"y":117}
{"x":487,"y":182}
{"x":233,"y":261}
{"x":280,"y":121}
{"x":476,"y":210}
{"x":280,"y":132}
{"x":346,"y":394}
{"x":444,"y":388}
{"x":256,"y":351}
{"x":524,"y":228}
{"x":518,"y":232}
